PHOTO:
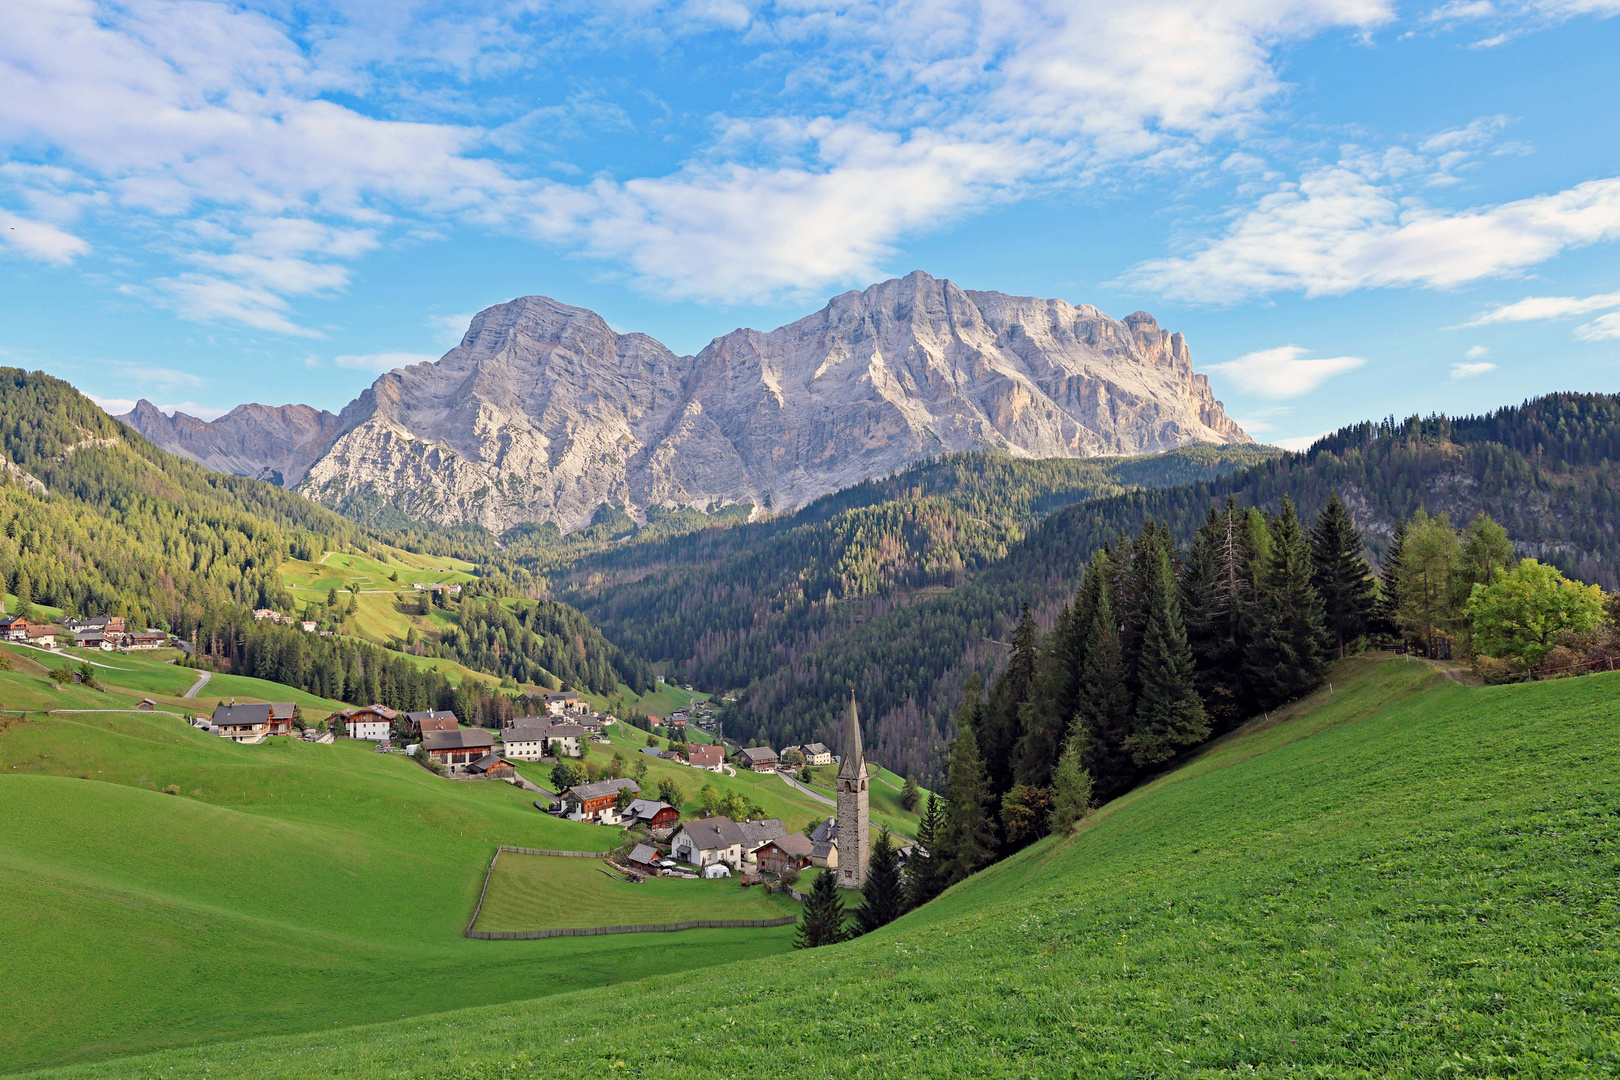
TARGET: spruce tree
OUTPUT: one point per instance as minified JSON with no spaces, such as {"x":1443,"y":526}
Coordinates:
{"x":925,"y":871}
{"x":822,"y":921}
{"x":1071,"y":789}
{"x":1002,"y":726}
{"x":1285,"y":660}
{"x":1218,"y":592}
{"x":883,"y":896}
{"x":968,"y":840}
{"x":909,"y":795}
{"x":1046,"y":715}
{"x":1104,"y":713}
{"x":1341,"y":576}
{"x":1169,"y":714}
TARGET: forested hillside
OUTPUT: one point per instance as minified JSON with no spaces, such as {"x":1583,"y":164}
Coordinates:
{"x":96,"y":520}
{"x":1544,"y":470}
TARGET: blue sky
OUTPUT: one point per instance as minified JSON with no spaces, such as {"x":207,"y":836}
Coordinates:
{"x":1350,"y":207}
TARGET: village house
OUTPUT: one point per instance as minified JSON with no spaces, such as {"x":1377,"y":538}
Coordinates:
{"x":42,"y":636}
{"x":651,"y":813}
{"x":493,"y":766}
{"x":644,"y":857}
{"x":756,"y":834}
{"x":261,"y":614}
{"x":824,"y":844}
{"x":711,"y":758}
{"x":456,"y":750}
{"x":596,"y":801}
{"x":710,"y":841}
{"x":92,"y":639}
{"x":146,"y":639}
{"x":253,"y":723}
{"x":308,"y":626}
{"x":760,"y":758}
{"x":101,"y":624}
{"x":816,"y":754}
{"x":13,"y":628}
{"x":432,"y":720}
{"x":374,"y":723}
{"x":531,"y":738}
{"x":790,"y":852}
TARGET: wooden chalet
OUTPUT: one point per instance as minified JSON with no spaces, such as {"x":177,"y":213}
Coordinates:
{"x":253,"y":723}
{"x":456,"y":750}
{"x":789,"y":852}
{"x":597,"y":801}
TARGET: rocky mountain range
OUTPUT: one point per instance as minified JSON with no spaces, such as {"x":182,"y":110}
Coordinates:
{"x":544,"y":412}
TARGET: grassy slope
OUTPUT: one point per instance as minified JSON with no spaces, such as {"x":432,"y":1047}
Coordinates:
{"x":533,"y":892}
{"x":1412,"y":878}
{"x":290,"y":887}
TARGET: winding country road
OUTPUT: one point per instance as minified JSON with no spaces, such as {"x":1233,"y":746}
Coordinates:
{"x":202,"y":681}
{"x":816,"y":795}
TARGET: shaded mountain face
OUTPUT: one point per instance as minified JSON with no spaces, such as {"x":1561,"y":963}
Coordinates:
{"x":260,"y":441}
{"x":544,"y":412}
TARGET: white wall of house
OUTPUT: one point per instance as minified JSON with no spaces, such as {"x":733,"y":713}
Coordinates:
{"x":525,"y":751}
{"x":370,"y":730}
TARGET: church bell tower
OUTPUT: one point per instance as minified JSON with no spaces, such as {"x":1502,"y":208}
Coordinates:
{"x":854,"y":808}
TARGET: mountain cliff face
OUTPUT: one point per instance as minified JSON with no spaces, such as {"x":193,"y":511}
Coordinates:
{"x":543,"y":412}
{"x":261,"y":441}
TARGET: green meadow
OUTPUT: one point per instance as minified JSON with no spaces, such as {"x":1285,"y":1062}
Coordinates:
{"x":1404,"y":878}
{"x":539,"y":892}
{"x":163,"y":887}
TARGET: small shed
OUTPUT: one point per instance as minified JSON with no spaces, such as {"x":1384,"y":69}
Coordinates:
{"x":146,"y":704}
{"x":717,"y":870}
{"x":645,"y":858}
{"x":492,"y":765}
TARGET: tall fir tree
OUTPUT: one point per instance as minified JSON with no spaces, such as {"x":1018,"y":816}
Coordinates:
{"x":1218,"y":584}
{"x":1342,"y":578}
{"x":909,"y":795}
{"x":822,"y":920}
{"x":1104,"y":714}
{"x":968,"y":840}
{"x":1002,"y":726}
{"x":883,"y":896}
{"x":925,"y":871}
{"x":1050,"y":708}
{"x":1169,"y":714}
{"x":1285,"y":660}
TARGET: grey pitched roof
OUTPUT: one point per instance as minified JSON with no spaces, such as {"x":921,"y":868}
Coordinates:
{"x":826,"y":832}
{"x":487,"y":762}
{"x":229,"y":715}
{"x":645,"y":853}
{"x":796,"y":844}
{"x":815,"y":748}
{"x":460,"y":739}
{"x":598,"y":788}
{"x":432,"y":715}
{"x":759,"y":833}
{"x":647,"y":809}
{"x":758,"y":753}
{"x":539,"y":731}
{"x":711,"y":833}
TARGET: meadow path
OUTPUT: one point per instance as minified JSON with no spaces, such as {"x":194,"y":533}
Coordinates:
{"x":816,"y":795}
{"x":202,"y":681}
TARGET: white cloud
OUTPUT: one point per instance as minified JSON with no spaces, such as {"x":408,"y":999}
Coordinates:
{"x":381,"y":362}
{"x":1477,"y":352}
{"x":1284,"y":372}
{"x":448,"y":330}
{"x":39,"y":240}
{"x":1536,"y":308}
{"x":1299,"y":444}
{"x":1469,"y":370}
{"x":1604,"y":328}
{"x":120,"y":406}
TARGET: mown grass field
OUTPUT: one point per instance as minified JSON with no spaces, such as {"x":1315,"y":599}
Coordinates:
{"x":1409,"y":878}
{"x":287,"y":887}
{"x":538,"y":892}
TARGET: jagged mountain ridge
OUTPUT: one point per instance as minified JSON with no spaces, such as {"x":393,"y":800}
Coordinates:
{"x":544,"y":412}
{"x":264,"y":442}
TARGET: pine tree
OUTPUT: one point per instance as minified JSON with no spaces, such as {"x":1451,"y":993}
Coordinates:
{"x":925,"y":871}
{"x":1104,"y":713}
{"x":1218,"y":591}
{"x":883,"y":896}
{"x":822,"y":921}
{"x":968,"y":840}
{"x":1285,"y":659}
{"x":1002,"y":726}
{"x":1341,"y":576}
{"x":1169,"y":714}
{"x":909,"y":795}
{"x":1071,"y":789}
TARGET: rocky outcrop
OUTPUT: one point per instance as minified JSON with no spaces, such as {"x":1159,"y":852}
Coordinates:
{"x":261,"y":441}
{"x":544,"y":412}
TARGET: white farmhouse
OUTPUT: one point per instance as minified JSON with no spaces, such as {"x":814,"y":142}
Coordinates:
{"x":710,"y":841}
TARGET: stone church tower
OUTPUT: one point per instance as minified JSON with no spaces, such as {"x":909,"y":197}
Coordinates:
{"x":854,"y":810}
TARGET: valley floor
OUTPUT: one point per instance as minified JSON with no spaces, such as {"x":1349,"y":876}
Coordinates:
{"x":1405,"y":878}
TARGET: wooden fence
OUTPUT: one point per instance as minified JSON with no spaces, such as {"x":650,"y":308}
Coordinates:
{"x":649,"y":928}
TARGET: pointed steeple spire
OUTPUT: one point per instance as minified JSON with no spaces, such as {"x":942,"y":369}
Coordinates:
{"x":853,"y":766}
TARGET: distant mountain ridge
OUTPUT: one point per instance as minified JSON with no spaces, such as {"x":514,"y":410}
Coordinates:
{"x":545,"y":413}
